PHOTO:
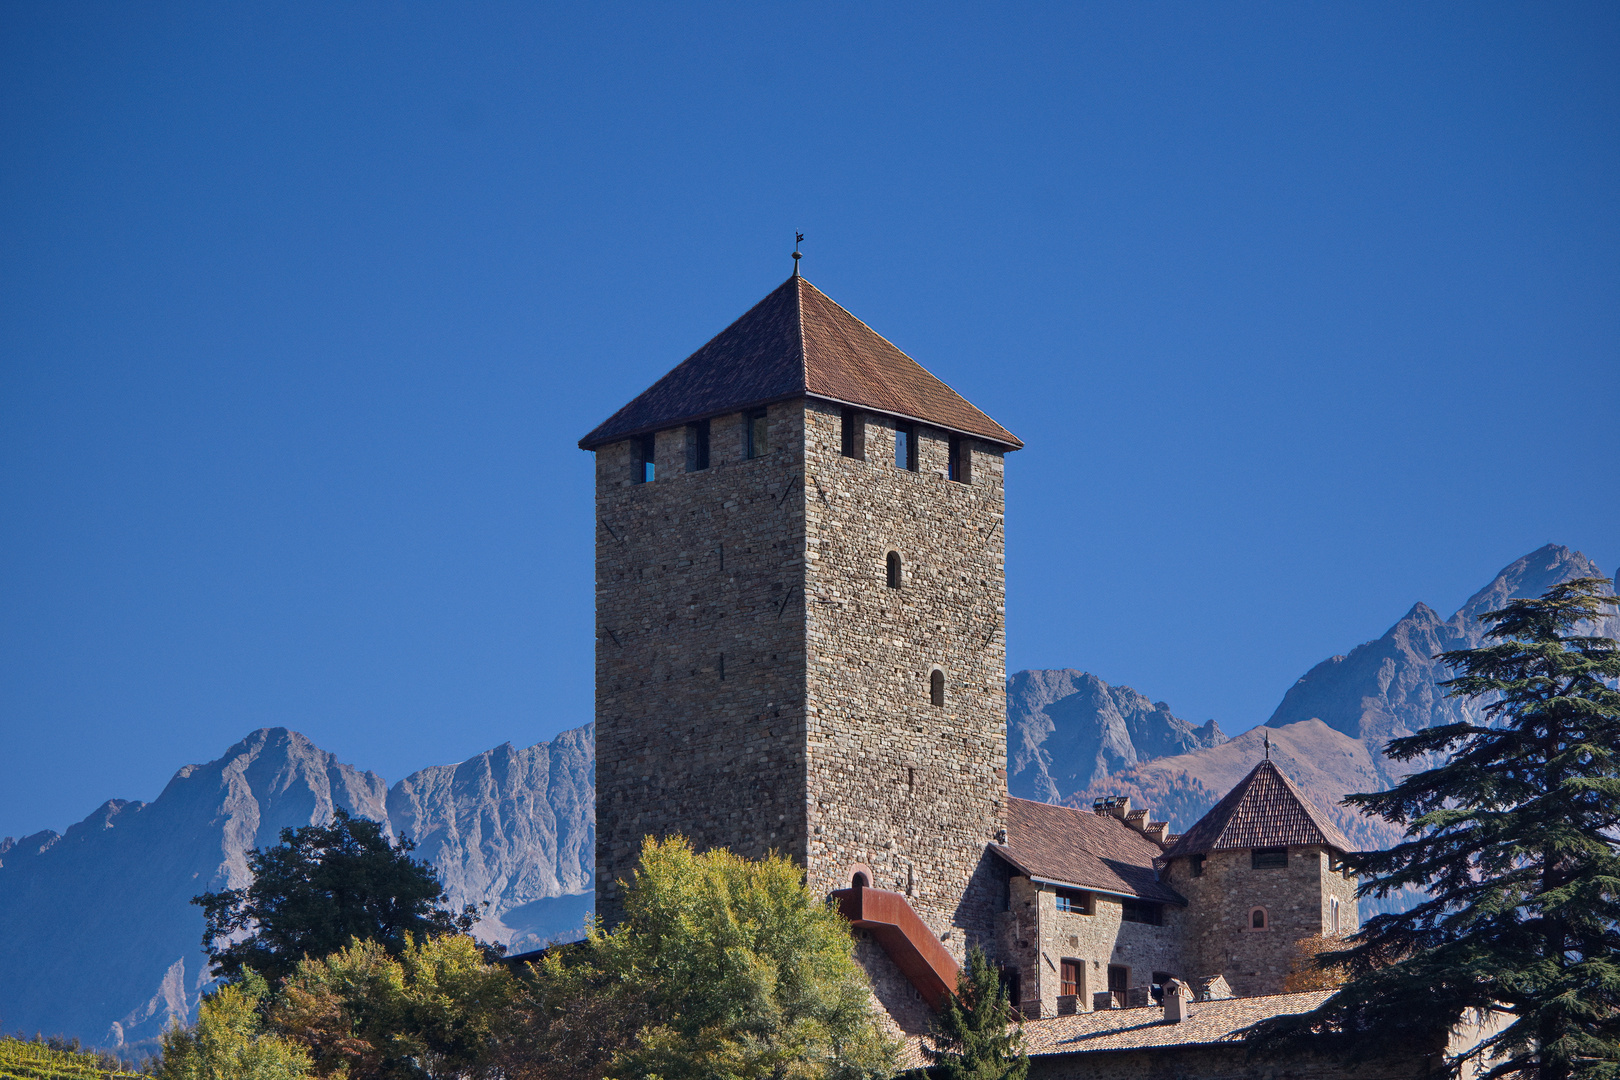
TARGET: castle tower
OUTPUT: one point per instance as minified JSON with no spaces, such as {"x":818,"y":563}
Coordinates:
{"x":1262,"y":870}
{"x":799,"y":604}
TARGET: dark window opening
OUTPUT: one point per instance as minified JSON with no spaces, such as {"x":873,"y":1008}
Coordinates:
{"x":1119,"y":978}
{"x":894,"y":569}
{"x":860,"y":880}
{"x":1257,"y":919}
{"x":1156,"y":988}
{"x":905,"y":446}
{"x":936,"y":688}
{"x":961,"y":461}
{"x":697,"y":446}
{"x":1069,"y":979}
{"x":1013,"y":981}
{"x":852,"y":428}
{"x":1140,"y":911}
{"x":1198,"y":865}
{"x":1268,"y":858}
{"x":757,"y":432}
{"x":1074,"y":901}
{"x":644,"y":451}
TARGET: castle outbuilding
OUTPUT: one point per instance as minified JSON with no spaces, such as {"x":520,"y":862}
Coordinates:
{"x":800,"y":603}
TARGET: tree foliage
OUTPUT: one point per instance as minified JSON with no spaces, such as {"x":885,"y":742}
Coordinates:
{"x":228,"y":1041}
{"x":723,"y":968}
{"x":322,"y":886}
{"x":436,"y":1012}
{"x":1514,"y":839}
{"x":973,"y":1038}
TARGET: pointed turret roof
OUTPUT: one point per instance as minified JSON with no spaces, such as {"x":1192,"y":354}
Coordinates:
{"x":797,"y":343}
{"x":1265,"y":809}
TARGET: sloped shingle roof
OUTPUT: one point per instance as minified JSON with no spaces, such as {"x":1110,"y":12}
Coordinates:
{"x":1265,"y":809}
{"x":1079,"y":847}
{"x":797,"y":343}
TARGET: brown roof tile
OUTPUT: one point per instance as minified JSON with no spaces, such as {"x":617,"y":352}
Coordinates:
{"x":1135,"y":1029}
{"x":1265,"y":809}
{"x":1083,"y":848}
{"x":796,"y":343}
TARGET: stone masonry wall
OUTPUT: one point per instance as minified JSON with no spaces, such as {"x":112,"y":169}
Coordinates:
{"x":910,"y":789}
{"x":1036,"y":938}
{"x":700,"y":660}
{"x":1296,"y":899}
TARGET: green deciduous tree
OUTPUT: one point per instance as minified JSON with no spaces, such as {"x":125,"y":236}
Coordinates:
{"x":1514,"y":839}
{"x":229,"y":1041}
{"x":974,"y":1038}
{"x":320,"y":887}
{"x":436,"y":1012}
{"x":723,"y":968}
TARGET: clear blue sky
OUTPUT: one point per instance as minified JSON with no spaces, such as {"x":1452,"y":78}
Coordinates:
{"x":1306,"y":312}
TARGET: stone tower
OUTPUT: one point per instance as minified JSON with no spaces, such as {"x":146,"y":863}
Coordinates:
{"x":799,"y":615}
{"x":1263,"y":869}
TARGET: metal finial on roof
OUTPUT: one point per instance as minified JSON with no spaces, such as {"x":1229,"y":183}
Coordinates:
{"x":798,"y":238}
{"x":1265,"y":737}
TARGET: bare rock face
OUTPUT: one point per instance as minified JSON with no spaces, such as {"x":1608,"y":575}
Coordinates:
{"x":1067,"y":728}
{"x":508,"y":830}
{"x":99,"y":940}
{"x":1390,"y":687}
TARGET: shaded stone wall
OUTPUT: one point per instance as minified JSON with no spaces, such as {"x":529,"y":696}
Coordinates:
{"x":1297,"y":902}
{"x":1221,"y":1062}
{"x":700,"y":661}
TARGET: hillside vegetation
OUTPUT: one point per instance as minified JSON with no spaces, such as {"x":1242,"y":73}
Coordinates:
{"x":37,"y":1060}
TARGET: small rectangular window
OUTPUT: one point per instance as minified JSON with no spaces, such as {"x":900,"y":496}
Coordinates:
{"x":1268,"y":858}
{"x":905,"y":446}
{"x":1119,"y":978}
{"x":757,"y":432}
{"x":961,"y":462}
{"x":697,"y":446}
{"x":643,"y":451}
{"x":1070,"y":978}
{"x":852,"y":428}
{"x":1140,"y":911}
{"x":1074,"y":901}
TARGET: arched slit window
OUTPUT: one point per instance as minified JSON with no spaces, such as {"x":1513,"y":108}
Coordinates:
{"x":1257,"y":919}
{"x":894,"y":569}
{"x":936,"y":687}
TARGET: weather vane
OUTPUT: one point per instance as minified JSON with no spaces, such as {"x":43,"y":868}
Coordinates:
{"x":798,"y":238}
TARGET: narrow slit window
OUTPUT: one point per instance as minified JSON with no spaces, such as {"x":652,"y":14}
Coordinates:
{"x":894,"y":569}
{"x":697,"y":446}
{"x":961,"y":461}
{"x":936,"y":688}
{"x":644,"y":453}
{"x":757,"y":433}
{"x":905,"y":447}
{"x":850,"y":429}
{"x":1198,"y":865}
{"x":1334,"y":905}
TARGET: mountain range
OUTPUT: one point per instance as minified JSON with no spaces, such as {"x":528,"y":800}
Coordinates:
{"x":98,"y":938}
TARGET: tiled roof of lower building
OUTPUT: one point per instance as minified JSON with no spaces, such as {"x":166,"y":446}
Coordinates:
{"x":1265,"y":809}
{"x":1082,"y":848}
{"x":797,"y":343}
{"x":1138,"y":1029}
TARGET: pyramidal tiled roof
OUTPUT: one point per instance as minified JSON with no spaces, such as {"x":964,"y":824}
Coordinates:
{"x":1265,"y":809}
{"x":797,"y":343}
